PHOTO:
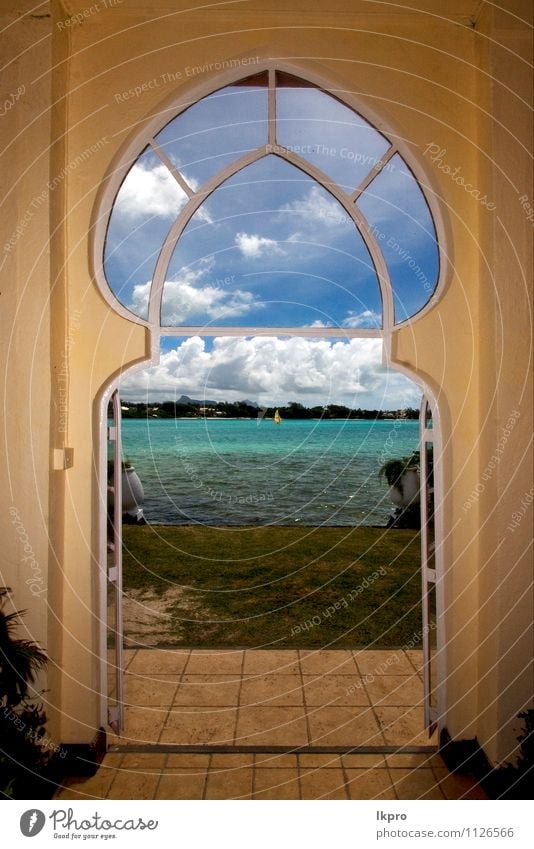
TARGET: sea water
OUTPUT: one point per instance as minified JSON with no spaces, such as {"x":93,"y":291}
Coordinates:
{"x":255,"y":472}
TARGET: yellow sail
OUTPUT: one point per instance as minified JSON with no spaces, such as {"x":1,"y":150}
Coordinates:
{"x":277,"y":418}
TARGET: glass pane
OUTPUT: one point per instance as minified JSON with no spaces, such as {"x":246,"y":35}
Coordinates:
{"x":271,"y":248}
{"x":217,"y":130}
{"x":400,"y":220}
{"x":111,"y":640}
{"x":323,"y":131}
{"x":147,"y":203}
{"x":112,"y":637}
{"x":429,"y":449}
{"x":432,"y":641}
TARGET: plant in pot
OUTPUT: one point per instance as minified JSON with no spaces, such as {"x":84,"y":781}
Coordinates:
{"x":133,"y":494}
{"x":515,"y":782}
{"x":402,"y":476}
{"x":23,"y":755}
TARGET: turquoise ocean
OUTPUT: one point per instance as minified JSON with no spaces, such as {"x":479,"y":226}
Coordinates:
{"x":255,"y":472}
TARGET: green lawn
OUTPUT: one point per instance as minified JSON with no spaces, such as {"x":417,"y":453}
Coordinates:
{"x":280,"y":587}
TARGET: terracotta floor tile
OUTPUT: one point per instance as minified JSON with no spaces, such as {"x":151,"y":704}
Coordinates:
{"x":369,"y":784}
{"x":144,"y":691}
{"x":323,"y":784}
{"x":114,"y":759}
{"x":134,"y":785}
{"x":178,"y":761}
{"x":229,"y":785}
{"x":408,"y":760}
{"x":344,"y":726}
{"x":418,"y":783}
{"x":142,"y":725}
{"x":327,"y":662}
{"x":72,"y":792}
{"x":364,"y":761}
{"x":272,"y":690}
{"x":232,"y":762}
{"x":153,"y":661}
{"x":403,"y":726}
{"x":95,"y":787}
{"x":208,"y":690}
{"x":265,"y":760}
{"x":264,"y":662}
{"x":415,"y":656}
{"x":128,"y":655}
{"x":188,"y":784}
{"x":320,"y":761}
{"x":395,"y":690}
{"x":276,"y":784}
{"x":215,"y":663}
{"x":143,"y":763}
{"x":383,"y":662}
{"x":435,"y":760}
{"x":333,"y":689}
{"x":199,"y":726}
{"x":275,"y":726}
{"x":454,"y":786}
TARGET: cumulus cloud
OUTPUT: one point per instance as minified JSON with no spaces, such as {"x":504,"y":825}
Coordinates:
{"x":253,"y":246}
{"x":318,"y":207}
{"x":394,"y":199}
{"x":150,"y":190}
{"x":270,"y":370}
{"x":365,"y":318}
{"x":190,"y":296}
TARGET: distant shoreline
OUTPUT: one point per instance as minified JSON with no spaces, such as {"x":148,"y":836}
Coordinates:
{"x":382,"y":418}
{"x":189,"y":408}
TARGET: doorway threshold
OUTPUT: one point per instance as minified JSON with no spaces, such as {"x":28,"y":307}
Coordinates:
{"x":169,"y":748}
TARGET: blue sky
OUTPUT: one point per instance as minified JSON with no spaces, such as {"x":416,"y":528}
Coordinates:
{"x":271,"y":247}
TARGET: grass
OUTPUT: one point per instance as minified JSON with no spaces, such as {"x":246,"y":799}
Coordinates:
{"x":281,"y":587}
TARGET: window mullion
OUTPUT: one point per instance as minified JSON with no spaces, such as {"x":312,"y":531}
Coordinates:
{"x":170,"y":165}
{"x":306,"y":332}
{"x":272,"y":107}
{"x":374,"y":172}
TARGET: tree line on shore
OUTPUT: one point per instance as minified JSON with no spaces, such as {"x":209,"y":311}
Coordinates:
{"x":249,"y":410}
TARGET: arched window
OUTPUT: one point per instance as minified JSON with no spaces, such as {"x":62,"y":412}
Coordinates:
{"x":271,"y":204}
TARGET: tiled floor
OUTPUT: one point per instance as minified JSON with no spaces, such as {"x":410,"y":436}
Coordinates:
{"x":264,"y":776}
{"x":273,"y":698}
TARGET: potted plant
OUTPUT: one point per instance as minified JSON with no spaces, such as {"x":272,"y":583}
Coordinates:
{"x":402,"y":476}
{"x":133,"y":494}
{"x":515,"y":782}
{"x":23,"y":756}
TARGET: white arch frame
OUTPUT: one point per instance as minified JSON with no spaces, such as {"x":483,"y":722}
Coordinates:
{"x":145,"y":138}
{"x":103,"y":207}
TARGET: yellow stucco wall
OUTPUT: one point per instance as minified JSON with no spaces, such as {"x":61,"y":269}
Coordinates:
{"x":24,"y":318}
{"x":422,"y":76}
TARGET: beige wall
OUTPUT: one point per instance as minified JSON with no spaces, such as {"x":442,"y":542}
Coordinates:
{"x":505,"y":627}
{"x":24,"y":317}
{"x":422,"y":76}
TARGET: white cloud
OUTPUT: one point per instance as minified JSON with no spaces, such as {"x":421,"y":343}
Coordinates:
{"x":150,"y":191}
{"x":396,"y":201}
{"x":366,"y":318}
{"x":274,"y":371}
{"x":253,"y":246}
{"x":190,"y":295}
{"x":318,"y":207}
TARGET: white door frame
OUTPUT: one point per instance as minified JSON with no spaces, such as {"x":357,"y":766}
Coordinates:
{"x":101,"y":436}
